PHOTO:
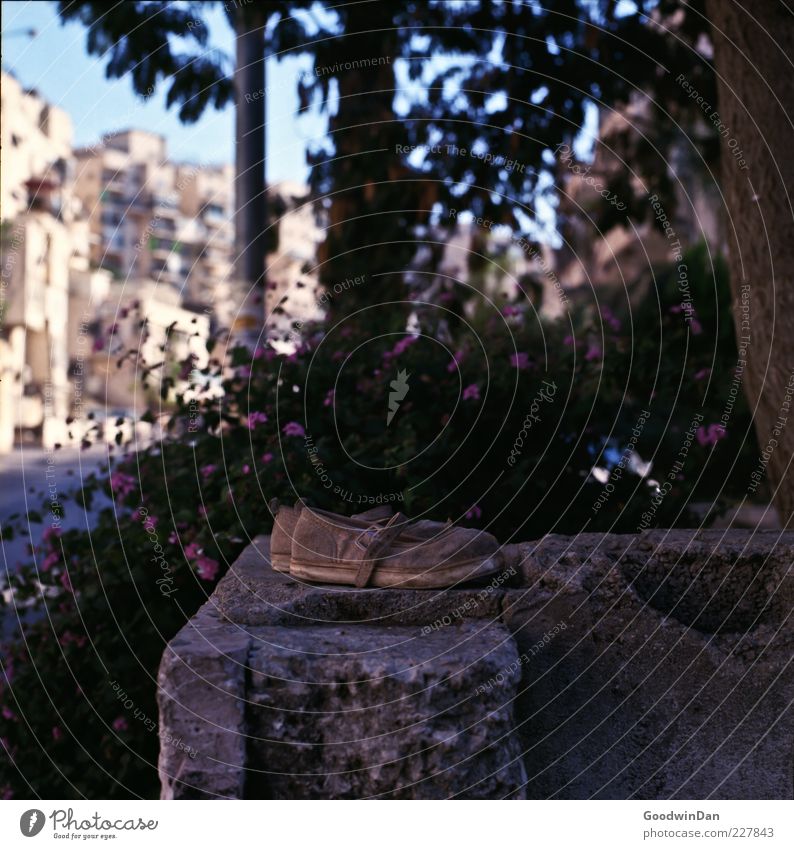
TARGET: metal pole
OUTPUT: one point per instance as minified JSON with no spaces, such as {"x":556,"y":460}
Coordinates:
{"x":249,"y":183}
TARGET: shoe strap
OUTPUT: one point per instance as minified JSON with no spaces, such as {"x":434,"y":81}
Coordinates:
{"x":382,"y":536}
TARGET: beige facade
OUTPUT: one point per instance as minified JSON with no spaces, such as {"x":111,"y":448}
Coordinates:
{"x":154,"y":219}
{"x":45,"y":244}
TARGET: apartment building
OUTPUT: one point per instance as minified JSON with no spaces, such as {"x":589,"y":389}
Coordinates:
{"x":152,"y":219}
{"x":45,"y":263}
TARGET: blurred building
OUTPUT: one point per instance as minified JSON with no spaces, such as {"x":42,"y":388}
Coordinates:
{"x":152,"y":219}
{"x":45,"y":243}
{"x":616,"y":255}
{"x":291,"y":272}
{"x":112,"y":249}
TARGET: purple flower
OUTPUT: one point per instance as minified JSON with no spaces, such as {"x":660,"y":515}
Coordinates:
{"x":267,"y":457}
{"x":120,"y":724}
{"x":610,"y":318}
{"x":471,"y":392}
{"x":400,"y":347}
{"x":51,"y":533}
{"x":711,"y":435}
{"x":508,"y":310}
{"x":193,"y":550}
{"x":256,"y":418}
{"x":49,"y":561}
{"x":293,"y":429}
{"x":246,"y":469}
{"x":149,"y":521}
{"x":207,"y":470}
{"x":207,"y":568}
{"x":702,"y":374}
{"x":57,"y":734}
{"x":473,"y":512}
{"x":569,"y":340}
{"x":122,"y":484}
{"x":457,"y":359}
{"x":593,"y":352}
{"x":329,"y":398}
{"x":519,"y":360}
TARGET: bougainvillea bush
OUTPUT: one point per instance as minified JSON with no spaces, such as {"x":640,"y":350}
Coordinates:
{"x":607,"y":420}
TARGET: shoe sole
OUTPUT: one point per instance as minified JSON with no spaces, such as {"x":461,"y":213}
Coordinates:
{"x":430,"y":577}
{"x":280,"y":562}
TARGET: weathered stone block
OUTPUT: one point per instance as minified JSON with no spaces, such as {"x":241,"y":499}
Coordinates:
{"x":389,"y":712}
{"x":606,"y":666}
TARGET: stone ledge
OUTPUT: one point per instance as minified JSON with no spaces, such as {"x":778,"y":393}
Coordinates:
{"x":648,"y":666}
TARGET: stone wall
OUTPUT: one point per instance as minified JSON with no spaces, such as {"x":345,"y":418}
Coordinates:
{"x":597,"y":666}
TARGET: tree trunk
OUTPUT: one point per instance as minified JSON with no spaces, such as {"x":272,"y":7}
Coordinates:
{"x":753,"y":46}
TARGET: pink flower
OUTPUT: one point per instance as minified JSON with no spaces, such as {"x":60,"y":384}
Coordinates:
{"x":256,"y":418}
{"x":98,"y":345}
{"x":51,"y":533}
{"x":246,"y":469}
{"x":207,"y":568}
{"x":8,"y":713}
{"x":593,"y":352}
{"x":473,"y":512}
{"x":329,"y":398}
{"x":66,"y":582}
{"x":702,"y":374}
{"x":57,"y":734}
{"x":120,"y":724}
{"x":50,"y":560}
{"x":457,"y":359}
{"x":471,"y":392}
{"x":266,"y":457}
{"x":122,"y":484}
{"x":610,"y":318}
{"x":519,"y":360}
{"x":193,"y":550}
{"x":173,"y":538}
{"x":711,"y":435}
{"x":207,"y":470}
{"x":400,"y":347}
{"x":202,"y":511}
{"x":697,"y":327}
{"x":508,"y":311}
{"x":149,"y":522}
{"x":569,"y":340}
{"x":293,"y":429}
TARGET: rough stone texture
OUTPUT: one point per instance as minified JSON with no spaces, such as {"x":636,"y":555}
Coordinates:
{"x":383,"y":712}
{"x":631,"y":700}
{"x":201,"y":699}
{"x":655,"y":666}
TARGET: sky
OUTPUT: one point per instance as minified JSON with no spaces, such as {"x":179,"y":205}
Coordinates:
{"x":55,"y":63}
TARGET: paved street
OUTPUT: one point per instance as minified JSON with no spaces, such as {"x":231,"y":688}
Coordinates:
{"x":28,"y":476}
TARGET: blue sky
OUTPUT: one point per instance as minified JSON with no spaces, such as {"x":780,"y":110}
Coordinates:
{"x":56,"y":64}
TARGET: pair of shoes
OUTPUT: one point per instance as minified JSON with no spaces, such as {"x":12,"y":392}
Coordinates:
{"x":376,"y":549}
{"x":285,"y":520}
